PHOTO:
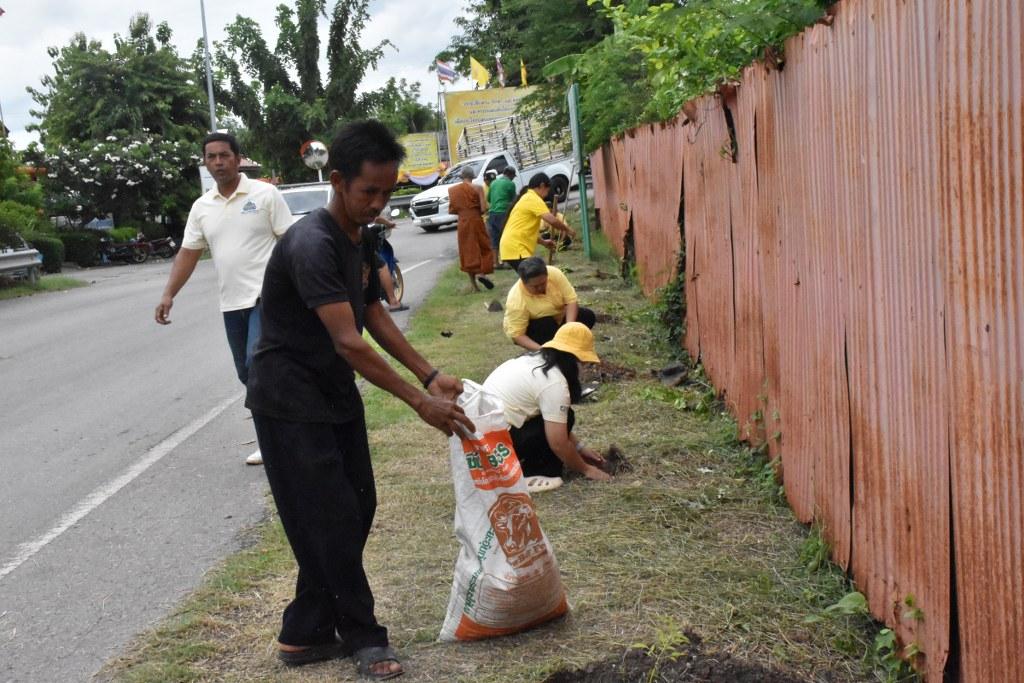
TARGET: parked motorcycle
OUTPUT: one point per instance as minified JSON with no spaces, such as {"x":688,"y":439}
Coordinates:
{"x":131,"y":251}
{"x":387,"y":254}
{"x":162,"y":247}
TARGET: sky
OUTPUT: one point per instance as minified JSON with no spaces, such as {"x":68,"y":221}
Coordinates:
{"x":419,"y":30}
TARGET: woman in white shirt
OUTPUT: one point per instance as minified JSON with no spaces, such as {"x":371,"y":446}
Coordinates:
{"x":538,"y":390}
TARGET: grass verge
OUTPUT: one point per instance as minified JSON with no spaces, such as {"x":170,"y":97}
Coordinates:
{"x":695,"y":537}
{"x":47,"y":283}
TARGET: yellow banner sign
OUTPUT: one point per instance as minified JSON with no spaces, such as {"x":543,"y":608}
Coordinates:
{"x":477,"y":106}
{"x":421,"y":157}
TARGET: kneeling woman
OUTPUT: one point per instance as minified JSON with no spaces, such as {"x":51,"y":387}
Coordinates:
{"x":538,"y":389}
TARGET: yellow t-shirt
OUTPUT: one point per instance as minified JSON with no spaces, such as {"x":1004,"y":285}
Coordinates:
{"x":519,"y":238}
{"x":521,"y":307}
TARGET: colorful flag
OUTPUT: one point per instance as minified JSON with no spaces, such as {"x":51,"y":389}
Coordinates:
{"x":522,"y":72}
{"x":445,"y":72}
{"x":478,"y":73}
{"x":501,"y":72}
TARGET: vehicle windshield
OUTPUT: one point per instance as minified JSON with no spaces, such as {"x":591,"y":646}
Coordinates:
{"x":455,"y":174}
{"x":301,"y":202}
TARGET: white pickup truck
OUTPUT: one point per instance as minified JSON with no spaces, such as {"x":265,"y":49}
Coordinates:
{"x":429,"y":208}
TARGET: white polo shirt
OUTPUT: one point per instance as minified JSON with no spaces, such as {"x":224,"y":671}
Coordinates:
{"x":240,"y":232}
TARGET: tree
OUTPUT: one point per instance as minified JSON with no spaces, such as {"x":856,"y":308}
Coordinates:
{"x":120,"y":129}
{"x":536,"y":32}
{"x":143,"y":83}
{"x":398,"y":106}
{"x":281,"y":113}
{"x":127,"y":175}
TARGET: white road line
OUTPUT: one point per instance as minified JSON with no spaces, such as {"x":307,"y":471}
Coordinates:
{"x":412,"y":268}
{"x":103,"y":493}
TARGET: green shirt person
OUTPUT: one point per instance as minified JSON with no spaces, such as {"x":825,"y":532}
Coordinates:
{"x":500,"y":197}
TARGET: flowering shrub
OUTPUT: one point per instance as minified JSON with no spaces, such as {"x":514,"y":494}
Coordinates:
{"x":129,"y":175}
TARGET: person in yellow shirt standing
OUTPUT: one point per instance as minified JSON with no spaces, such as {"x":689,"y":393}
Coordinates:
{"x":541,"y":301}
{"x":522,"y":230}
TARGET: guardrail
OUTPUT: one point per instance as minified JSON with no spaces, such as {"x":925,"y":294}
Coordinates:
{"x":401,"y":202}
{"x":25,"y":262}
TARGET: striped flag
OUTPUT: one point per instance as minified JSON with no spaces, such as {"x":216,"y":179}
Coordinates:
{"x":445,"y":72}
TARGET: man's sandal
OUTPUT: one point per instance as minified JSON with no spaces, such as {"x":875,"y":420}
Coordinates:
{"x":313,"y":654}
{"x":536,"y":484}
{"x":368,"y":657}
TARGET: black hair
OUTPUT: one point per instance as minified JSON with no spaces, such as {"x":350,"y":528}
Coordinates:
{"x":509,"y":172}
{"x":531,"y":267}
{"x":363,"y":141}
{"x":536,"y":181}
{"x":569,"y":366}
{"x":223,"y":137}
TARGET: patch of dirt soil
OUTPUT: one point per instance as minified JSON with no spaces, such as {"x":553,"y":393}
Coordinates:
{"x":691,"y":665}
{"x":615,"y":461}
{"x":605,"y":372}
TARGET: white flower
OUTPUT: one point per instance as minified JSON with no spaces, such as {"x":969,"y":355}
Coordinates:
{"x":111,"y":138}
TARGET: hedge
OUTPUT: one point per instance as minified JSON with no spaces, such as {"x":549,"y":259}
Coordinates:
{"x":52,"y":250}
{"x":80,"y":246}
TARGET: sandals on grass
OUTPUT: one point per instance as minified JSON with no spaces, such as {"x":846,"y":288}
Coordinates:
{"x":368,"y":657}
{"x":537,"y":484}
{"x":312,"y":654}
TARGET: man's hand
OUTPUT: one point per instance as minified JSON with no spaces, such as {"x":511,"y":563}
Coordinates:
{"x":550,"y":244}
{"x":445,"y":386}
{"x":163,"y":310}
{"x":596,"y":474}
{"x":443,"y":414}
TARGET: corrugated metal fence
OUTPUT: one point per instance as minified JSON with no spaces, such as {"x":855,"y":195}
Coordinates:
{"x":854,"y":260}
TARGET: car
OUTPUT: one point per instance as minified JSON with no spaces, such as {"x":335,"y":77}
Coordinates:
{"x":304,"y":198}
{"x":21,"y":261}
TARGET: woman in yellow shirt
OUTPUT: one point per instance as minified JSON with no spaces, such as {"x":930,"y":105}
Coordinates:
{"x":522,"y":230}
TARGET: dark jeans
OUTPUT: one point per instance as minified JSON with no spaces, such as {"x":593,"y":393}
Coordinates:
{"x":322,"y":482}
{"x":243,"y":329}
{"x":542,"y":330}
{"x":532,"y":449}
{"x":495,"y":226}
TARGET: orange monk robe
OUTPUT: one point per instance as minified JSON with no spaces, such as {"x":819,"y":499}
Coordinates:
{"x":475,"y":253}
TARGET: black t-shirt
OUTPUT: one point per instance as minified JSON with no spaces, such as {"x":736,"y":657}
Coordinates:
{"x":296,"y":374}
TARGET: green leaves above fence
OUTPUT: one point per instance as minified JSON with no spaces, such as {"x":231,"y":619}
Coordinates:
{"x":663,"y":55}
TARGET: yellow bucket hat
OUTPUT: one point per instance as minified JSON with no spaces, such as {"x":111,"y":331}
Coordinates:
{"x":577,"y":339}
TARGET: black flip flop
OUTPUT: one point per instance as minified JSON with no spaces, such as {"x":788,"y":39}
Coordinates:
{"x":485,"y":281}
{"x":366,"y":657}
{"x":313,"y":654}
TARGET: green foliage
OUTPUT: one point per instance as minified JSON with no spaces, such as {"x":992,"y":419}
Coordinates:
{"x":668,"y":645}
{"x":891,"y":662}
{"x":815,"y":551}
{"x":536,"y":32}
{"x":80,"y":246}
{"x":52,"y":250}
{"x":120,"y":128}
{"x":16,"y":218}
{"x":14,"y":185}
{"x":141,"y":85}
{"x":279,"y":113}
{"x":672,"y":308}
{"x":122,"y":234}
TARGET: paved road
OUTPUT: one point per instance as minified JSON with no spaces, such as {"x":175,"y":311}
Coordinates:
{"x":121,"y":458}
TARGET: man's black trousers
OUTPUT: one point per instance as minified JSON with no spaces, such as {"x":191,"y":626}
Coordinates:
{"x":322,"y":482}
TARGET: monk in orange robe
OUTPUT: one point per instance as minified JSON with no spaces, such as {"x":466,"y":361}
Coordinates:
{"x":476,"y":258}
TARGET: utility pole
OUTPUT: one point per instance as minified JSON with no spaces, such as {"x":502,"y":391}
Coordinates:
{"x":209,"y":72}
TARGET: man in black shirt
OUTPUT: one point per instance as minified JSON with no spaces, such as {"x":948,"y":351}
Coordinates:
{"x":320,"y":289}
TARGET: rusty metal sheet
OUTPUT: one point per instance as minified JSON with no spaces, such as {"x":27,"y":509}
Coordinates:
{"x":982,"y":156}
{"x":656,"y":150}
{"x":855,"y":265}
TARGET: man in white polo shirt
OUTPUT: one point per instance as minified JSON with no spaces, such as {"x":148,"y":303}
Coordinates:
{"x":239,"y":221}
